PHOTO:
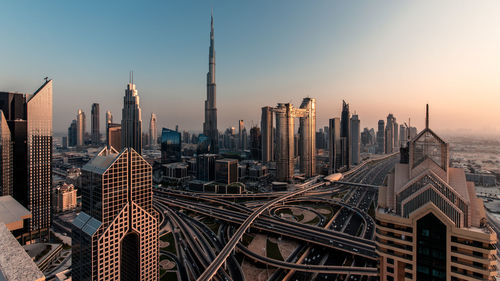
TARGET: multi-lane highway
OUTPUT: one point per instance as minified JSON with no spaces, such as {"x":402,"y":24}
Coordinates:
{"x":334,"y":246}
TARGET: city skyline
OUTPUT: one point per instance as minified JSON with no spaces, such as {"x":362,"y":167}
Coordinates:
{"x":428,"y":61}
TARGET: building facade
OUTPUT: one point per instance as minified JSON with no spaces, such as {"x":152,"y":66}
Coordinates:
{"x":114,"y":134}
{"x":115,"y":236}
{"x":6,"y":160}
{"x":170,"y":146}
{"x":205,"y":167}
{"x":131,"y":119}
{"x":72,"y":136}
{"x":255,"y":143}
{"x":94,"y":125}
{"x":430,"y":225}
{"x":64,"y":198}
{"x":29,"y":120}
{"x":226,"y":171}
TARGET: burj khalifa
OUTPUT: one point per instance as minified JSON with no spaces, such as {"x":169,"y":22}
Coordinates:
{"x":210,"y":124}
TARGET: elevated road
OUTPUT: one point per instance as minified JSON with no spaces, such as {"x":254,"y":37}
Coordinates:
{"x":212,"y":269}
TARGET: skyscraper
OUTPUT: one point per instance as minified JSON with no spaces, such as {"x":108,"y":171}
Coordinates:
{"x":345,"y":136}
{"x":153,"y":131}
{"x":72,"y":136}
{"x":355,"y":139}
{"x":403,"y":135}
{"x":430,"y":223}
{"x":131,"y":119}
{"x":109,"y":117}
{"x":241,"y":126}
{"x":114,"y":134}
{"x":94,"y":126}
{"x":285,"y":158}
{"x":109,"y":120}
{"x":255,"y":143}
{"x":80,"y":128}
{"x":115,"y":236}
{"x":6,"y":161}
{"x":210,"y":124}
{"x":29,"y":119}
{"x":266,"y":124}
{"x":170,"y":146}
{"x":389,"y":134}
{"x":396,"y":136}
{"x":381,"y":137}
{"x":334,"y":154}
{"x":244,"y":139}
{"x":307,"y":121}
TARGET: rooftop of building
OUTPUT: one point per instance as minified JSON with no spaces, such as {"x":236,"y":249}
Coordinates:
{"x":227,"y":160}
{"x":176,"y":165}
{"x":65,"y":187}
{"x":15,"y":263}
{"x":102,"y":161}
{"x":12,"y":212}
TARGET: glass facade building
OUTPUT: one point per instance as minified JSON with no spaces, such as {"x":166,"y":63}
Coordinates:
{"x":170,"y":146}
{"x":115,"y":236}
{"x":29,"y":121}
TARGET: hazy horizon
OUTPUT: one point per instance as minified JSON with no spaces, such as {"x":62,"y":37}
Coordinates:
{"x":381,"y":57}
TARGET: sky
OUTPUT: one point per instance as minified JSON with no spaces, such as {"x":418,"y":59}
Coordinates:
{"x":380,"y":56}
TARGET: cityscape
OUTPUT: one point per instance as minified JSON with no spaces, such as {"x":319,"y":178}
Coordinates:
{"x":253,"y":184}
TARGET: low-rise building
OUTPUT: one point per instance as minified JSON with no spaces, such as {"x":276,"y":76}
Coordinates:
{"x":64,"y":197}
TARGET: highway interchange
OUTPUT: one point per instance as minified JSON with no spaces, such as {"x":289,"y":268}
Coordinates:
{"x":210,"y":230}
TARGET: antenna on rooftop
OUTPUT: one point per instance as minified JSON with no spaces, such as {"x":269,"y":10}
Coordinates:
{"x":427,"y":116}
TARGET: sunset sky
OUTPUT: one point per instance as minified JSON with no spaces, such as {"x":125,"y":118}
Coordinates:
{"x":380,"y":56}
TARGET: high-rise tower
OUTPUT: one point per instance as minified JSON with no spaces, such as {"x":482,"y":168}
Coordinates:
{"x":241,"y":126}
{"x":381,"y":137}
{"x":285,"y":158}
{"x":80,"y":128}
{"x":389,"y":134}
{"x":335,"y":155}
{"x":6,"y":153}
{"x":266,"y":124}
{"x":430,"y":224}
{"x":29,"y":119}
{"x":355,"y":139}
{"x":345,"y":136}
{"x":115,"y":236}
{"x":153,"y":131}
{"x":307,"y":121}
{"x":94,"y":125}
{"x":131,"y":119}
{"x":210,"y":124}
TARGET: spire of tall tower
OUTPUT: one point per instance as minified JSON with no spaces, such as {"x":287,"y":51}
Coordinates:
{"x":427,"y":116}
{"x":212,"y":24}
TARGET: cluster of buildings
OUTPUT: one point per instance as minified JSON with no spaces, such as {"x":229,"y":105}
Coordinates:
{"x":116,"y":133}
{"x":389,"y":137}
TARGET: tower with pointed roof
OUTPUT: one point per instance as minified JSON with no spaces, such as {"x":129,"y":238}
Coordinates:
{"x":430,"y":223}
{"x":131,"y":128}
{"x":210,"y":124}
